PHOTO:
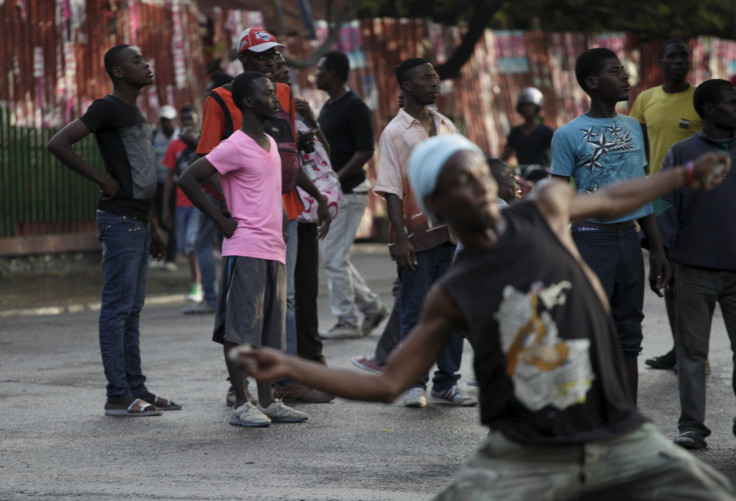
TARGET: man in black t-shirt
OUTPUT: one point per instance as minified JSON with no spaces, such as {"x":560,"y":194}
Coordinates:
{"x":126,"y":191}
{"x":345,"y":121}
{"x":552,"y":385}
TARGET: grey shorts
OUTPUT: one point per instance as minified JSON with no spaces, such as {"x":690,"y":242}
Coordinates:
{"x":251,"y":304}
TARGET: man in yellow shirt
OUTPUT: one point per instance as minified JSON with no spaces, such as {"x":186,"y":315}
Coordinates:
{"x":666,"y":112}
{"x":667,"y":116}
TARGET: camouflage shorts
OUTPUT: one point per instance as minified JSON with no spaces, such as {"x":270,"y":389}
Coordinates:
{"x":641,"y":465}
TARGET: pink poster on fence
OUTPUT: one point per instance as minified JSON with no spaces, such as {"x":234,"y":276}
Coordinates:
{"x":321,"y":30}
{"x":70,"y":71}
{"x":170,"y":96}
{"x":38,"y":77}
{"x":511,"y":52}
{"x":614,"y":41}
{"x":178,"y":50}
{"x":437,"y":42}
{"x":351,"y":42}
{"x":22,"y":9}
{"x":134,"y":22}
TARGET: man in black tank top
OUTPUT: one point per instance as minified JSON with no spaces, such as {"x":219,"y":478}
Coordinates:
{"x":553,"y":388}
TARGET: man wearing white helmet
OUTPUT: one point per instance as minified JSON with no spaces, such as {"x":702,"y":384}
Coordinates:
{"x":530,"y":142}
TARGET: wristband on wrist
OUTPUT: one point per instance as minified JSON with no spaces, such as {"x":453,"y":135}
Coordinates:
{"x":690,"y":173}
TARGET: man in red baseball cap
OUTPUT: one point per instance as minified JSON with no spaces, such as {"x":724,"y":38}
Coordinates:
{"x":257,"y":40}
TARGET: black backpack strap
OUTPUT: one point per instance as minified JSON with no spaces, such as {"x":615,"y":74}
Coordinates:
{"x":229,"y":128}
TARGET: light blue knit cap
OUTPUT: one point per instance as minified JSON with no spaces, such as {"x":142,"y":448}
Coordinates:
{"x":426,"y":162}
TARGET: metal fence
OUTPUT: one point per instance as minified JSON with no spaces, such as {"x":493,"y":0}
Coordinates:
{"x":38,"y":196}
{"x":51,"y":58}
{"x":52,"y":70}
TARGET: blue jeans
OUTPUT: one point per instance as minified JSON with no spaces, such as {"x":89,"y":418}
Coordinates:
{"x":391,"y":335}
{"x":203,"y":247}
{"x":615,"y":256}
{"x":415,"y":285}
{"x":125,"y":245}
{"x":186,"y":229}
{"x":697,"y":290}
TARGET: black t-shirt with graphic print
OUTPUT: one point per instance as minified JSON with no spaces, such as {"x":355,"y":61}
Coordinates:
{"x":546,"y":357}
{"x":124,"y":138}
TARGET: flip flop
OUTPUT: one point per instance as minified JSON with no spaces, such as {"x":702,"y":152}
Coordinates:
{"x":162,"y":403}
{"x":139,"y":408}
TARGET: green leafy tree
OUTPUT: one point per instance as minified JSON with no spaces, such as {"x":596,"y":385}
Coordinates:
{"x":650,"y":19}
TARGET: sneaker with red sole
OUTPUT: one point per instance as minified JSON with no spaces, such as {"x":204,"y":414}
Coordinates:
{"x":368,"y":364}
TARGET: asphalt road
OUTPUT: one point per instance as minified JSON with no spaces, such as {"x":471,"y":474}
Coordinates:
{"x":57,"y":444}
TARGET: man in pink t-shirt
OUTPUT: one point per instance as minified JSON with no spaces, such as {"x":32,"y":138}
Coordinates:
{"x":251,"y":304}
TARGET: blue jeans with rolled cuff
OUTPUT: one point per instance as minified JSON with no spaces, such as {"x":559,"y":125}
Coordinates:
{"x":125,"y":247}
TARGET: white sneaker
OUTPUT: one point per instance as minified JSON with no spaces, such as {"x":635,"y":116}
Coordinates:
{"x":373,"y":320}
{"x":248,"y":415}
{"x":200,"y":308}
{"x":342,"y":330}
{"x":415,"y":397}
{"x":195,"y":293}
{"x":278,"y":412}
{"x":454,"y":396}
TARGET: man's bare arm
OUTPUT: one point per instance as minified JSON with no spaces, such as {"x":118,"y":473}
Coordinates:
{"x":355,"y":164}
{"x":413,"y":358}
{"x":191,"y":181}
{"x":323,"y":211}
{"x":659,"y":265}
{"x":560,"y":204}
{"x":403,"y":249}
{"x":61,"y":147}
{"x":625,"y":196}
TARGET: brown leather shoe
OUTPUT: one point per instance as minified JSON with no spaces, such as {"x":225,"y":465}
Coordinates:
{"x":300,"y":392}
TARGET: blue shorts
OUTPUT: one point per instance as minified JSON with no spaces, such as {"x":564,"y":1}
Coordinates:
{"x":186,"y":229}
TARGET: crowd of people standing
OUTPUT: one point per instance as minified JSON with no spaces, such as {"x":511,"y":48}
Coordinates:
{"x":548,"y":290}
